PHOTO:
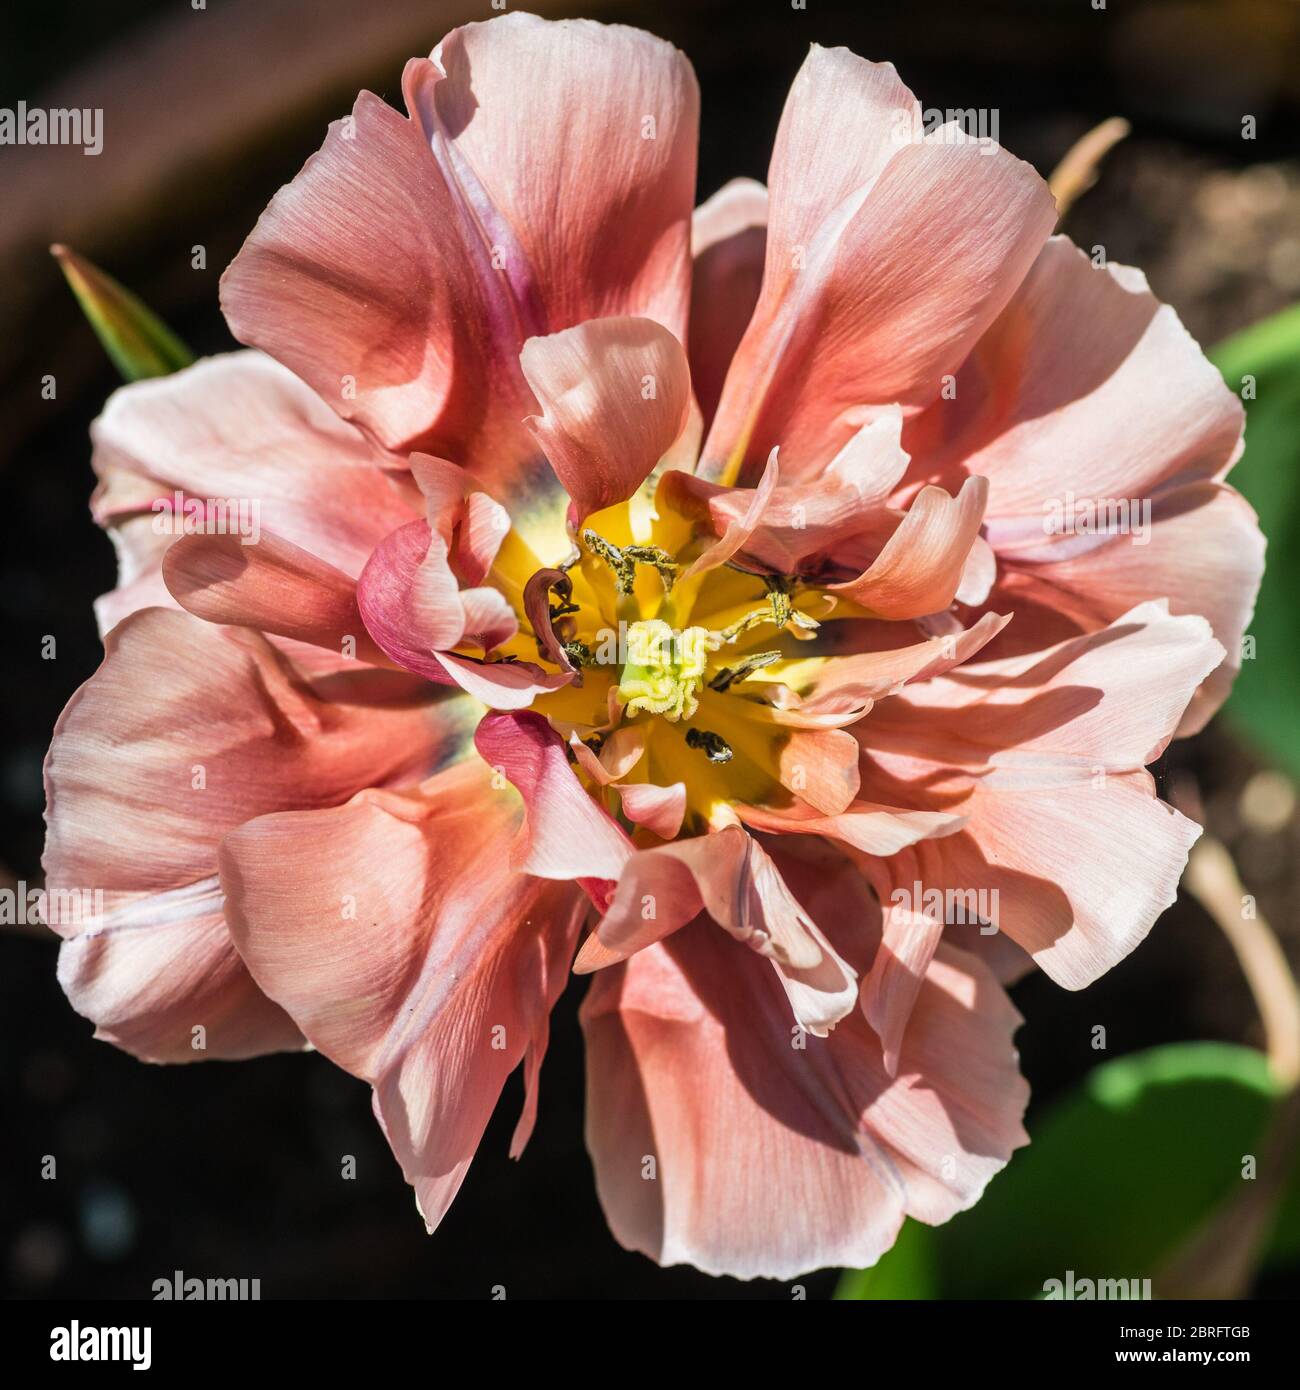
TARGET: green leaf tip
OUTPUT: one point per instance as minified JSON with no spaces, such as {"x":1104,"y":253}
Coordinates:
{"x":137,"y":341}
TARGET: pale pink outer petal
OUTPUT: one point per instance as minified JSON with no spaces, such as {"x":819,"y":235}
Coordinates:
{"x":393,"y":932}
{"x":614,"y":395}
{"x":1055,"y":405}
{"x":274,"y":586}
{"x":861,"y":306}
{"x":401,"y":271}
{"x":186,"y":731}
{"x":719,"y":1144}
{"x":1057,"y":397}
{"x":236,"y":429}
{"x":1043,"y":755}
{"x":1204,"y":550}
{"x":728,"y":238}
{"x":352,"y":280}
{"x":589,"y":225}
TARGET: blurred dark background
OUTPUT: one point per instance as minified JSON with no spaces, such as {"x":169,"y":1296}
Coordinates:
{"x":234,"y":1170}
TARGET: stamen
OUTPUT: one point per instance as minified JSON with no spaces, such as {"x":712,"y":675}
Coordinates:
{"x":623,"y":568}
{"x":780,"y":610}
{"x":730,"y":674}
{"x":659,"y":558}
{"x":714,"y":746}
{"x":625,"y":560}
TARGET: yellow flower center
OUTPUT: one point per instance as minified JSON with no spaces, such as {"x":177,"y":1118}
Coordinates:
{"x":673,"y":671}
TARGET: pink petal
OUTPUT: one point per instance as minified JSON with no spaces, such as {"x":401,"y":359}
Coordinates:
{"x":352,"y":280}
{"x":501,"y":685}
{"x":1043,"y":755}
{"x":186,"y":731}
{"x":414,"y":608}
{"x":802,"y":519}
{"x":565,"y":835}
{"x":873,"y":829}
{"x":274,"y":586}
{"x":242,"y":431}
{"x":1056,"y":397}
{"x":893,"y":984}
{"x":472,"y":523}
{"x":1205,"y":550}
{"x":614,"y":394}
{"x":159,"y":978}
{"x":491,"y":101}
{"x":738,"y":529}
{"x":855,"y":682}
{"x":660,"y":809}
{"x":619,"y":754}
{"x":393,"y":932}
{"x":920,"y":568}
{"x":860,"y":306}
{"x":728,"y":875}
{"x":728,"y":238}
{"x":717,"y":1143}
{"x":821,"y":767}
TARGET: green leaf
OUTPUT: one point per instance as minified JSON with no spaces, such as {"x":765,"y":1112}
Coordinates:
{"x":136,"y":339}
{"x":1118,"y":1176}
{"x":1265,"y":704}
{"x":908,"y":1271}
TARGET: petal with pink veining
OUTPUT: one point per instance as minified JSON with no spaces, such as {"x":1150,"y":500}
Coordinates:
{"x":394,"y":933}
{"x":770,"y":1160}
{"x":185,"y":731}
{"x":242,"y":432}
{"x":862,"y":303}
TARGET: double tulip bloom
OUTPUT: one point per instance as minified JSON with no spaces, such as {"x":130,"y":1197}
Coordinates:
{"x":665,"y":596}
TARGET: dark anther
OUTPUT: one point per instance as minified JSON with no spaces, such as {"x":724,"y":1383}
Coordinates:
{"x":579,"y":655}
{"x":730,"y":674}
{"x":714,"y":746}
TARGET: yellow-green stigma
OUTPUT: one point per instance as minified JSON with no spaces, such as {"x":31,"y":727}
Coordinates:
{"x":665,"y":668}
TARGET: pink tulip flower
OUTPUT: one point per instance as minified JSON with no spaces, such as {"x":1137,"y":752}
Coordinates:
{"x":711,"y":603}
